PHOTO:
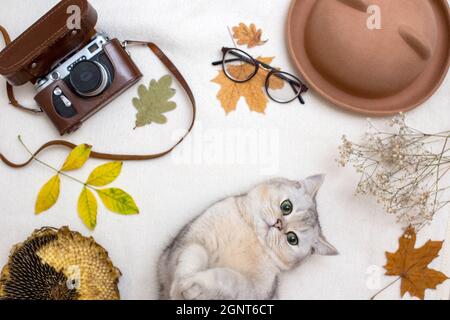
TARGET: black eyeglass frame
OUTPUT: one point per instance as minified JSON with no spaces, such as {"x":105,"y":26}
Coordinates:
{"x":295,"y":82}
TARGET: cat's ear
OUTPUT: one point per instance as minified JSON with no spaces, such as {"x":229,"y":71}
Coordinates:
{"x":324,"y":248}
{"x":313,"y":184}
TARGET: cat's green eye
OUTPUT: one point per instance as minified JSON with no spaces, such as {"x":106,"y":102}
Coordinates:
{"x":286,"y":207}
{"x":292,"y":238}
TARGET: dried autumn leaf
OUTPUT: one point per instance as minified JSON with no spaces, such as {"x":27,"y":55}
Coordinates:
{"x":248,"y":35}
{"x":87,"y":208}
{"x":105,"y":174}
{"x":118,"y":201}
{"x":411,"y":265}
{"x":48,"y":195}
{"x":253,"y":90}
{"x":77,"y":158}
{"x":154,"y":101}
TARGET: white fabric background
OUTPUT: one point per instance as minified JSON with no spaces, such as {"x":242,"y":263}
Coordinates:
{"x":293,"y":141}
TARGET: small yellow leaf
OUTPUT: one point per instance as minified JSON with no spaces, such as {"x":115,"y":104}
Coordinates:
{"x":248,"y":35}
{"x":77,"y":158}
{"x":105,"y":174}
{"x":48,"y":195}
{"x":118,"y":201}
{"x":87,"y":208}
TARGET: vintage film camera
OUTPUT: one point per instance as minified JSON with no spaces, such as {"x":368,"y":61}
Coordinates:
{"x":76,"y":72}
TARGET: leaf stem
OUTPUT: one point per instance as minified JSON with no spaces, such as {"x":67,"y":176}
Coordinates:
{"x":231,"y":35}
{"x":385,"y":288}
{"x":53,"y":168}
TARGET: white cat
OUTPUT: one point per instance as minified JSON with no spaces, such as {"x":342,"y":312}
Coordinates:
{"x":237,"y":248}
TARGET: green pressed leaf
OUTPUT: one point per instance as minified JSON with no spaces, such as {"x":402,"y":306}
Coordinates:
{"x":48,"y":195}
{"x":118,"y":201}
{"x":153,"y":102}
{"x":105,"y":174}
{"x":87,"y":208}
{"x":77,"y":158}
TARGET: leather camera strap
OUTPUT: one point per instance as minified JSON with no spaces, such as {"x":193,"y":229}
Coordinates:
{"x":109,"y":156}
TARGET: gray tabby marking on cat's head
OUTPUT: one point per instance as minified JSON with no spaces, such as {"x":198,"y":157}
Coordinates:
{"x":237,"y":248}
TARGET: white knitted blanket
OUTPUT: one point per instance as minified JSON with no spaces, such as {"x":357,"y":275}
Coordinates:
{"x":292,"y":141}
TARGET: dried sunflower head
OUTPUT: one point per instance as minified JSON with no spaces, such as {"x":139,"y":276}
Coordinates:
{"x":59,"y":265}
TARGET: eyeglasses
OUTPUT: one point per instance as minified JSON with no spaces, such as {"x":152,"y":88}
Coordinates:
{"x":240,"y":67}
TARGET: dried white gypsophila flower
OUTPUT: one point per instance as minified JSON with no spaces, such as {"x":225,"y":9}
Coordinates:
{"x":404,"y":169}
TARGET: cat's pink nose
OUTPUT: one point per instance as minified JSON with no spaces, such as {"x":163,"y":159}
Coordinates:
{"x":278,"y":225}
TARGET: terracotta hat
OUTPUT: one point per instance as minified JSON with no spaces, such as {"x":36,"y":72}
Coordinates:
{"x":348,"y":59}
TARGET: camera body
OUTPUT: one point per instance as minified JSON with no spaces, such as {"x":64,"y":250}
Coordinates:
{"x":85,"y":81}
{"x":75,"y":69}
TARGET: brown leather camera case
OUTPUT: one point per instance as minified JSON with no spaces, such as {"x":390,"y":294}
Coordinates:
{"x":125,"y":75}
{"x":33,"y":53}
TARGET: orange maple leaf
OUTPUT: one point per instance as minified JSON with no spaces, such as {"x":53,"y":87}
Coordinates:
{"x":248,"y":35}
{"x":253,"y":90}
{"x":411,"y":265}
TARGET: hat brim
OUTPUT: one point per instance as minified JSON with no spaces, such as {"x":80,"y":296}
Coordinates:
{"x":414,"y":95}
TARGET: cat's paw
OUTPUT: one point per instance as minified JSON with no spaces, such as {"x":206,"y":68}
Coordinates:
{"x":194,"y":291}
{"x":195,"y":287}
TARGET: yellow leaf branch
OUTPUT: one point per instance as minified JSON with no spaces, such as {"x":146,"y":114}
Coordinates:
{"x":114,"y":199}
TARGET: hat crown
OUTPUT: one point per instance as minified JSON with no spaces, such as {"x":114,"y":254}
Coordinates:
{"x":370,"y":61}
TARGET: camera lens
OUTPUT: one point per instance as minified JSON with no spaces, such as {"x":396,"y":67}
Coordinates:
{"x":89,"y":78}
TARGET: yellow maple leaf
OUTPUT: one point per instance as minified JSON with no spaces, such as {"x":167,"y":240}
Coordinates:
{"x":252,"y":90}
{"x":248,"y":35}
{"x":411,"y":265}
